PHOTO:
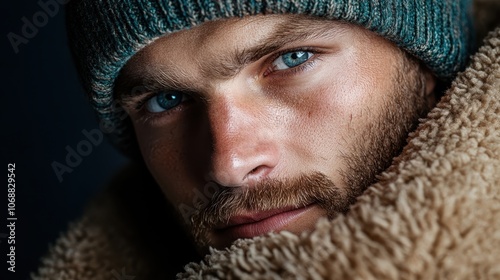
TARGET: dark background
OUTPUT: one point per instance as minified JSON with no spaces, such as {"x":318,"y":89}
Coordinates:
{"x":43,"y":111}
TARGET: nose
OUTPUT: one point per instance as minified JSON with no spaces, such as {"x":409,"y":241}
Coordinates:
{"x":245,"y":148}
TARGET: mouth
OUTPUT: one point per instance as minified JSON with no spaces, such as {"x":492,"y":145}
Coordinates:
{"x":249,"y":225}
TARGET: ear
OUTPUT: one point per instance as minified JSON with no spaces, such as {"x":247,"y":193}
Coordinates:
{"x":430,"y":86}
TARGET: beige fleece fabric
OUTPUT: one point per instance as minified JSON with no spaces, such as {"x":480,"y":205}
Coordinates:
{"x":434,"y":214}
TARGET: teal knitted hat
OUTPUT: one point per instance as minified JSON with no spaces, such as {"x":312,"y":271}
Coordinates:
{"x":105,"y":34}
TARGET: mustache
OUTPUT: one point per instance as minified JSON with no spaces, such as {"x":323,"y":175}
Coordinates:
{"x":271,"y":194}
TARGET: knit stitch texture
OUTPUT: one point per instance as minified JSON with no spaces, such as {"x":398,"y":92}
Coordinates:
{"x":104,"y":35}
{"x":435,"y":213}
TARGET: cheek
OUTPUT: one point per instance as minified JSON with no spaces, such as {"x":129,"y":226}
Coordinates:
{"x":330,"y":104}
{"x":164,"y":159}
{"x":362,"y":88}
{"x":337,"y":106}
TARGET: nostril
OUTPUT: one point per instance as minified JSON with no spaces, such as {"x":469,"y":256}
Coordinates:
{"x":258,"y":173}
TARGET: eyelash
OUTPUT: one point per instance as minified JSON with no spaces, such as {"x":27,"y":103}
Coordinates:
{"x":144,"y":99}
{"x":269,"y":72}
{"x":291,"y":71}
{"x":146,"y":116}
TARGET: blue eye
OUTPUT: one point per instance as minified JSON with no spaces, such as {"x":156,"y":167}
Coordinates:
{"x":164,"y":101}
{"x":291,"y":59}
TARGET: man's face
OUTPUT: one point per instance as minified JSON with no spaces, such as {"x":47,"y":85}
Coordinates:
{"x":269,"y":123}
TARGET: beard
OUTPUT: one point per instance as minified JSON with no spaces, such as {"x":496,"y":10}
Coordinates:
{"x":372,"y":152}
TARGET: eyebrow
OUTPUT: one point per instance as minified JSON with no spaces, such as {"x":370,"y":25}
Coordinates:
{"x":289,"y":31}
{"x":286,"y":32}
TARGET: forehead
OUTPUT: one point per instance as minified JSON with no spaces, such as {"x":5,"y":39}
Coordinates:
{"x":216,"y":39}
{"x":197,"y":59}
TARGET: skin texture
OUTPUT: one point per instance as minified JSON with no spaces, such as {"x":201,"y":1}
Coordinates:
{"x":254,"y":147}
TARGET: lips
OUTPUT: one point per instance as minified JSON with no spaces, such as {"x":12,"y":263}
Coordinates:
{"x":249,"y":225}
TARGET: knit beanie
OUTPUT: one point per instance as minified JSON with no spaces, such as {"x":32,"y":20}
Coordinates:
{"x":104,"y":34}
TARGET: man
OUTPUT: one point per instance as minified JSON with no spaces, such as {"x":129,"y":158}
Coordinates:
{"x":260,"y":107}
{"x":255,"y":120}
